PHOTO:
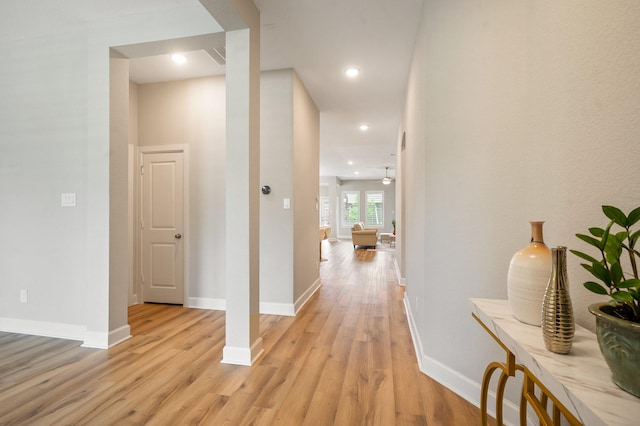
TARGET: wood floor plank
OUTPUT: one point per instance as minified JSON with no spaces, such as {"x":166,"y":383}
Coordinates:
{"x":346,"y":359}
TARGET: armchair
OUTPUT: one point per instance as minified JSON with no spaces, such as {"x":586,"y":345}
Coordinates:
{"x":362,"y":236}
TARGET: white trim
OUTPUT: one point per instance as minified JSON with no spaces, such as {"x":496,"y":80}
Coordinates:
{"x":366,"y":202}
{"x":242,"y":356}
{"x":132,"y":202}
{"x":288,"y":309}
{"x":401,"y":281}
{"x":451,"y":379}
{"x":96,"y":339}
{"x":206,"y":303}
{"x":285,"y":309}
{"x":43,"y":328}
{"x":160,"y":149}
{"x":304,"y":298}
{"x":119,"y":335}
{"x":266,"y":308}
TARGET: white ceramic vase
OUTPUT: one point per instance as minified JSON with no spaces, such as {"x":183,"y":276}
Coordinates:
{"x":528,"y":276}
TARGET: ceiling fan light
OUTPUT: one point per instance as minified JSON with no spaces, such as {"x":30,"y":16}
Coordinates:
{"x":386,"y":181}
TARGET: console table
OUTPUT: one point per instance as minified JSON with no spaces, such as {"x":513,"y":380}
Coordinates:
{"x":578,"y":384}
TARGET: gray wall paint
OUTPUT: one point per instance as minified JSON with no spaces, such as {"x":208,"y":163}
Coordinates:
{"x":192,"y":112}
{"x":54,"y":138}
{"x":306,"y":181}
{"x":276,"y":170}
{"x":513,"y":113}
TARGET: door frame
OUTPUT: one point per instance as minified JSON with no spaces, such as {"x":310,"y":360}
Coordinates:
{"x":162,"y":149}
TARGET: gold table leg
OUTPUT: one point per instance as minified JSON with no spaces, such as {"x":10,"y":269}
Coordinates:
{"x":527,"y":397}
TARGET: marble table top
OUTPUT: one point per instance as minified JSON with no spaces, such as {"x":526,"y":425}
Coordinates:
{"x":581,"y":380}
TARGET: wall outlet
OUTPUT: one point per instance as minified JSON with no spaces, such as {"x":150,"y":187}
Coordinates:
{"x":23,"y":296}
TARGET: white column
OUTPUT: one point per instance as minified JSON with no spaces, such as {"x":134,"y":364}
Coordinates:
{"x":243,"y":343}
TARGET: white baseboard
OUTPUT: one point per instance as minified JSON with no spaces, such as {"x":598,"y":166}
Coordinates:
{"x":119,"y":335}
{"x":304,"y":298}
{"x":96,"y":340}
{"x":401,"y":281}
{"x":458,"y":383}
{"x":133,"y":300}
{"x":267,"y":308}
{"x":242,"y":356}
{"x":206,"y":303}
{"x":43,"y":328}
{"x":286,"y":309}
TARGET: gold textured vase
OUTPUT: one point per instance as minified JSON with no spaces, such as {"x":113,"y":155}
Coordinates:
{"x":558,"y":324}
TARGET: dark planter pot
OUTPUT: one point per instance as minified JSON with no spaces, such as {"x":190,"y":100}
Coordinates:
{"x":619,"y":342}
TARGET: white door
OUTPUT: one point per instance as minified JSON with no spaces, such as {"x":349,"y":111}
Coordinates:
{"x":162,"y":227}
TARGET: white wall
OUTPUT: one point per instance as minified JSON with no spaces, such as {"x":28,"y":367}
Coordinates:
{"x":54,"y":138}
{"x":514,"y":111}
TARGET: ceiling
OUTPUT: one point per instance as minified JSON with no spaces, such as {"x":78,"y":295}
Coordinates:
{"x":320,"y":39}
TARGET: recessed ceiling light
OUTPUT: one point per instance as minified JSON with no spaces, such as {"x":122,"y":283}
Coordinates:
{"x":357,"y":173}
{"x":350,"y":163}
{"x":178,"y":59}
{"x":364,"y":127}
{"x":352,"y":72}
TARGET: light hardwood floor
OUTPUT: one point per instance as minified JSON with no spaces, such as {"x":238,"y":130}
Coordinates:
{"x":346,"y":359}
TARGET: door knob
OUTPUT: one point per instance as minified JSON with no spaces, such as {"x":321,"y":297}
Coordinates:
{"x":178,"y":236}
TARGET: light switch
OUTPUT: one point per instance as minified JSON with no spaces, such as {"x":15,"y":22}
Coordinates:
{"x":68,"y":200}
{"x":286,"y":203}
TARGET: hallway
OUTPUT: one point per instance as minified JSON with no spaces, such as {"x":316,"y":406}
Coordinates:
{"x":346,"y":359}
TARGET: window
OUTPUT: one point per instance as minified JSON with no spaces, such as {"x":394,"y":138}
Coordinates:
{"x":375,"y":208}
{"x":324,"y":211}
{"x":350,"y":208}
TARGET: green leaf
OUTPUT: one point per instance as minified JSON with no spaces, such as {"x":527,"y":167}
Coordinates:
{"x":595,"y":287}
{"x":634,"y":216}
{"x":584,"y":256}
{"x":621,"y":236}
{"x":612,"y":249}
{"x":622,"y":296}
{"x":589,"y":240}
{"x":616,"y":215}
{"x":600,"y":272}
{"x":596,"y":232}
{"x":605,"y":236}
{"x":634,"y":238}
{"x":616,"y":274}
{"x":633,"y":282}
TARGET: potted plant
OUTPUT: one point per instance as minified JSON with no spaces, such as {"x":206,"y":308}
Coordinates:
{"x":393,"y":222}
{"x":616,"y":270}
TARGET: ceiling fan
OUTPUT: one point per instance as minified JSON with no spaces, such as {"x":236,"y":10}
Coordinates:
{"x":386,"y":180}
